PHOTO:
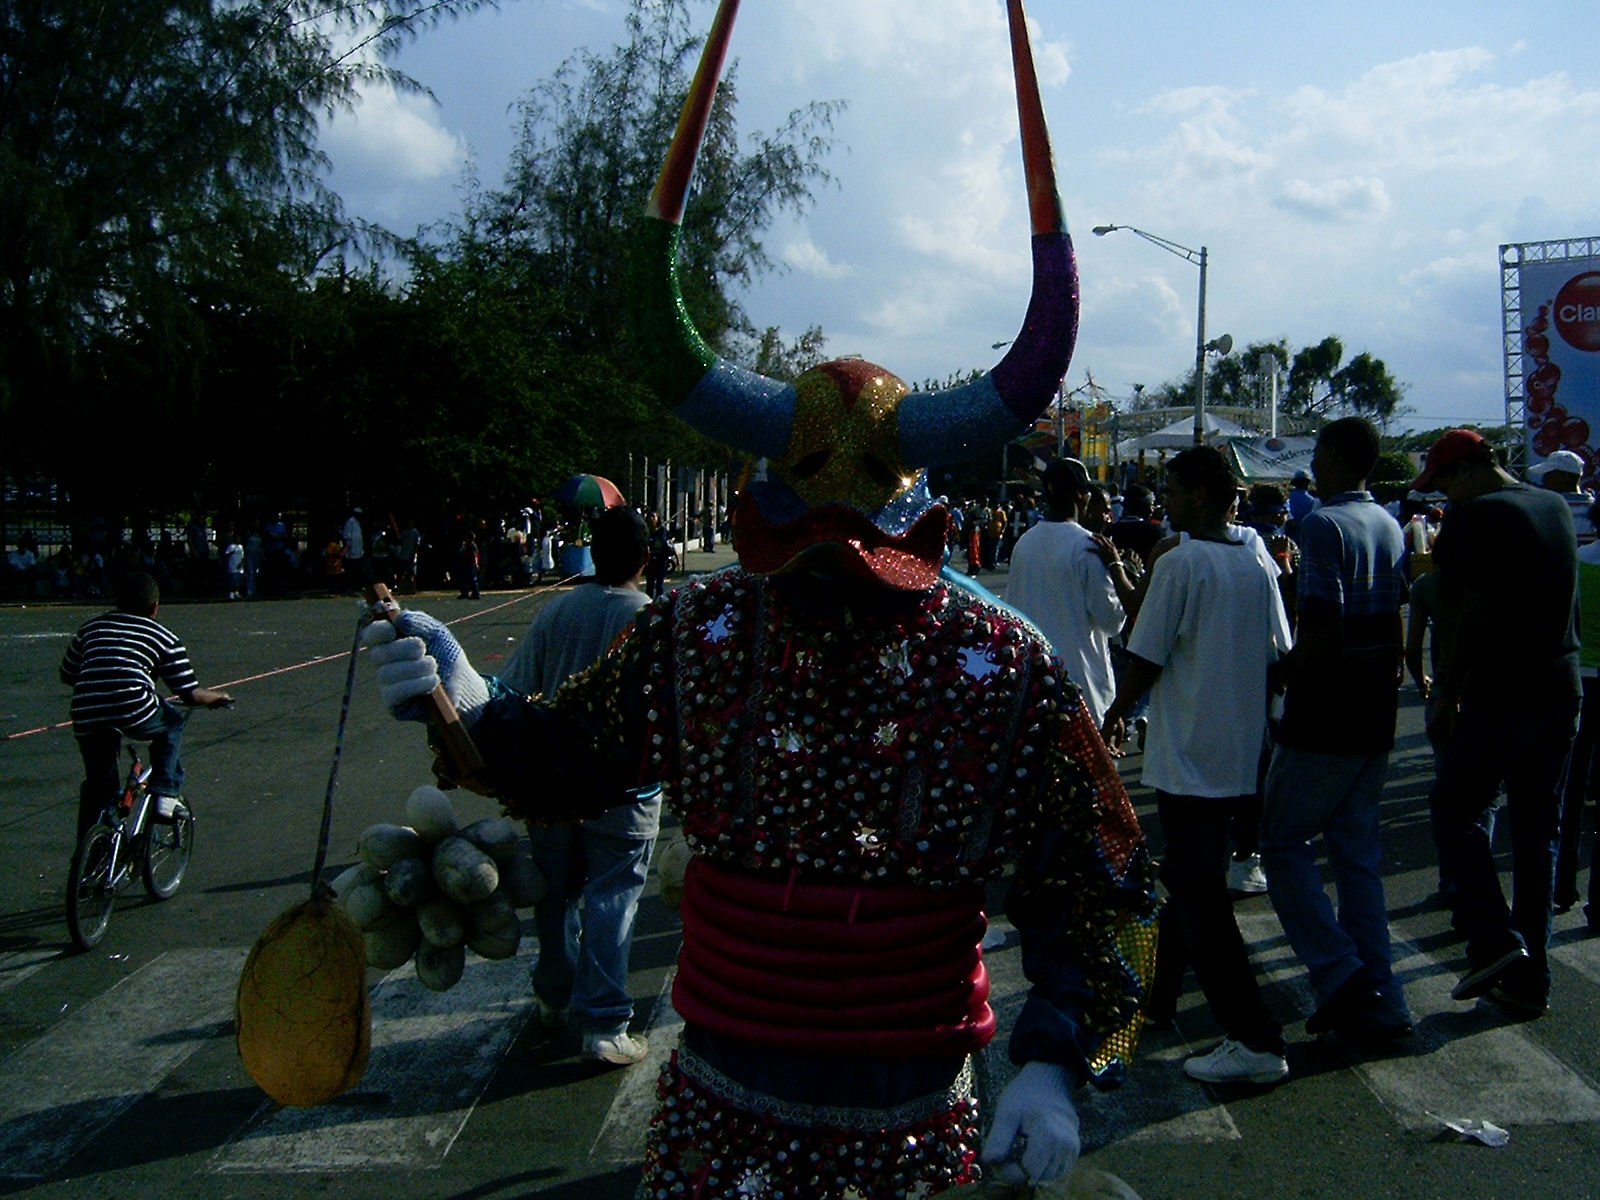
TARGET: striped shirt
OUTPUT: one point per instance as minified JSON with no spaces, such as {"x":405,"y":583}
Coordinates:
{"x":113,"y":664}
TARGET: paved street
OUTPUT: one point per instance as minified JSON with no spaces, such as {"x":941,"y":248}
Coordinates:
{"x":118,"y":1076}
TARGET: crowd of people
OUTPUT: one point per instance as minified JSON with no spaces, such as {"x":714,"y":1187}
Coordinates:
{"x":1265,"y":630}
{"x":239,"y":557}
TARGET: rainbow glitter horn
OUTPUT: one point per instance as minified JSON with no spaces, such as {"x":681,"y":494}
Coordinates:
{"x":847,"y":444}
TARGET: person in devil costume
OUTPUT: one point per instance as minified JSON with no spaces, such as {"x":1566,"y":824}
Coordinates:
{"x":856,"y":744}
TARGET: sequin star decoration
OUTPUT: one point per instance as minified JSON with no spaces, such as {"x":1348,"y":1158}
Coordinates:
{"x":870,"y":840}
{"x":896,"y":659}
{"x":887,"y":733}
{"x":716,"y":630}
{"x":788,"y":740}
{"x":977,"y":663}
{"x":754,"y":1183}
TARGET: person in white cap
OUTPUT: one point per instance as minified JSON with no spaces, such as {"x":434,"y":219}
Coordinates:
{"x":1562,"y":473}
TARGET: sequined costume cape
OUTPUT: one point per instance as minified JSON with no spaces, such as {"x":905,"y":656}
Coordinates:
{"x":842,"y":736}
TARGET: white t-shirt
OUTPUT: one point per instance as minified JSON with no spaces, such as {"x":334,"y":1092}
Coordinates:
{"x":1059,"y":583}
{"x":354,"y":544}
{"x":1213,"y":620}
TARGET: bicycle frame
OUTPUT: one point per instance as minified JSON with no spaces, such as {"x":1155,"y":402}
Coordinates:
{"x":127,"y":819}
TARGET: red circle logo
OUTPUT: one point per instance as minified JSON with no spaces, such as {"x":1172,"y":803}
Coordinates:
{"x":1577,"y":311}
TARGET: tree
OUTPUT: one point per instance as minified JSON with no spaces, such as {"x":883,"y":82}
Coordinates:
{"x":148,"y":150}
{"x":592,"y":142}
{"x":1319,"y":386}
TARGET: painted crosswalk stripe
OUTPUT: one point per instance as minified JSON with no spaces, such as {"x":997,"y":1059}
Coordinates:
{"x":17,"y":965}
{"x":433,"y":1054}
{"x":1583,"y":956}
{"x":1464,"y":1061}
{"x":621,"y":1136}
{"x":1156,"y":1104}
{"x":65,"y":1086}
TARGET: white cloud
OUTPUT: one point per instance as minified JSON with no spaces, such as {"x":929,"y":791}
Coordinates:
{"x":1336,"y":199}
{"x":394,"y":139}
{"x":804,"y":255}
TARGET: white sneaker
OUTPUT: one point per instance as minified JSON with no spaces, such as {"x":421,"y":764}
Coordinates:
{"x":1234,"y":1062}
{"x":1246,"y":875}
{"x":621,"y":1049}
{"x":166,"y":807}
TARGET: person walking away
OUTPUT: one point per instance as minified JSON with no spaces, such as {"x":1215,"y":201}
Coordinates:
{"x":355,"y":551}
{"x":596,"y":869}
{"x":662,"y":556}
{"x":1332,"y":753}
{"x":1209,"y":627}
{"x":1302,"y":503}
{"x":467,"y":566}
{"x":112,"y":665}
{"x":1071,"y":583}
{"x":993,"y":532}
{"x":233,"y":565}
{"x":1581,"y":775}
{"x":1506,"y":711}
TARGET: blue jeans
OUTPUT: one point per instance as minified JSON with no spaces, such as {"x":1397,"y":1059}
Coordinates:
{"x":583,"y":956}
{"x":100,"y":745}
{"x":1524,"y":744}
{"x":1335,"y":795}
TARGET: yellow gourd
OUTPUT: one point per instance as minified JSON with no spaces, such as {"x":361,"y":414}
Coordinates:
{"x":302,"y":1019}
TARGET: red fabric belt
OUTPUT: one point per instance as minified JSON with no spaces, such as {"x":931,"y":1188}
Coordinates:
{"x":892,"y":972}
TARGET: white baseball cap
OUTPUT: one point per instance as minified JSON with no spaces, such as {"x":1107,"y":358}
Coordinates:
{"x":1561,"y":460}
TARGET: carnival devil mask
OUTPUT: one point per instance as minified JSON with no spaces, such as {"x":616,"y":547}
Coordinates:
{"x":847,"y":444}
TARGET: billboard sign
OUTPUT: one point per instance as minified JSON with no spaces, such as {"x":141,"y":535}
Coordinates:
{"x":1561,"y":358}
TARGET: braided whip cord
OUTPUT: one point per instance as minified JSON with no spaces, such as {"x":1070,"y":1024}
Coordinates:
{"x":318,"y":887}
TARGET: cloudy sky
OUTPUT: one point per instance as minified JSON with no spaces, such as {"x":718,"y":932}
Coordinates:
{"x":1351,"y":169}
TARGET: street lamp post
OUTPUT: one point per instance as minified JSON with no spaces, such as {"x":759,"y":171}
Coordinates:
{"x":1198,"y":257}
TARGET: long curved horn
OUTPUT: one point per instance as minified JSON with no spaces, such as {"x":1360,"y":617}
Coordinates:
{"x":716,"y":397}
{"x":956,"y":424}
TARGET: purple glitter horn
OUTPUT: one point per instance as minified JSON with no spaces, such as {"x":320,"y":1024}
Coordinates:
{"x":756,"y":414}
{"x":956,"y":424}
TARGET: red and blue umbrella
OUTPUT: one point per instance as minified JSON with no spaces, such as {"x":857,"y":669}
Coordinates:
{"x":588,"y":491}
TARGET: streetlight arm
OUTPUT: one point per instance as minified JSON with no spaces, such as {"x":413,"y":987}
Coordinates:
{"x":1166,"y":244}
{"x":1198,"y":258}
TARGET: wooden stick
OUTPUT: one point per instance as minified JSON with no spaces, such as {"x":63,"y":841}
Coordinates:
{"x":461,"y":756}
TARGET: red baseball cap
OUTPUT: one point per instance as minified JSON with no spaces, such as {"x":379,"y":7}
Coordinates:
{"x":1451,"y":447}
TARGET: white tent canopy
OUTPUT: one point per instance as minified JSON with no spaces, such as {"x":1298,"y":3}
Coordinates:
{"x":1180,"y":435}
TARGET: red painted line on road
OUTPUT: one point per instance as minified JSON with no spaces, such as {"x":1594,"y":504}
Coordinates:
{"x":312,"y":662}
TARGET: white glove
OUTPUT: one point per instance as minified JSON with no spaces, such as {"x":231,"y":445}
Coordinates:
{"x":1037,"y":1108}
{"x":415,"y":656}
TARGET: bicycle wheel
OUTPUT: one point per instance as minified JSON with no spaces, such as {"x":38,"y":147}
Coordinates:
{"x":89,"y":890}
{"x":166,"y":853}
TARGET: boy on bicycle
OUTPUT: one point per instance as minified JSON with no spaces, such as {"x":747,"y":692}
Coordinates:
{"x":112,"y":666}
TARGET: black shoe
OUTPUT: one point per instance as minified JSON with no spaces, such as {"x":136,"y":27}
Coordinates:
{"x":1521,"y":993}
{"x":1520,"y":1005}
{"x":1480,"y":981}
{"x":1352,"y":1000}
